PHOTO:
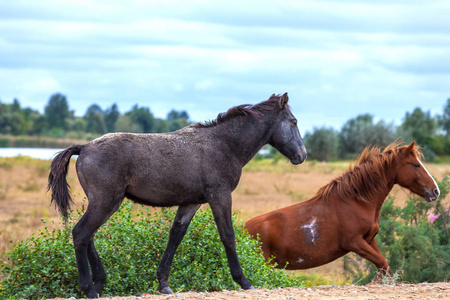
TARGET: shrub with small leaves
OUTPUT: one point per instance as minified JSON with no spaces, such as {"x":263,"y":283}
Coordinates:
{"x":131,"y":245}
{"x":43,"y":264}
{"x":414,"y":239}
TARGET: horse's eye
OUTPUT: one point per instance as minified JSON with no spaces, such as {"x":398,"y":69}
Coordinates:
{"x":416,"y":166}
{"x":294,"y":122}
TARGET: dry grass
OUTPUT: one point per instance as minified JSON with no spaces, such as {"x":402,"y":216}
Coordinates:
{"x":264,"y":186}
{"x":23,"y":200}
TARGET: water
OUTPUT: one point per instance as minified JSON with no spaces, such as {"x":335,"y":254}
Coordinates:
{"x":40,"y":153}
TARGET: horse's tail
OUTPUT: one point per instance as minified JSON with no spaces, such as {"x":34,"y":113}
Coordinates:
{"x":57,"y":179}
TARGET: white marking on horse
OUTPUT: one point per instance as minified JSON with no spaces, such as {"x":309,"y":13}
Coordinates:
{"x":310,"y":230}
{"x":299,"y":260}
{"x":435,"y":184}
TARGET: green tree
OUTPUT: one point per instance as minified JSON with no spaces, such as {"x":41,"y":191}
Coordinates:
{"x":57,"y":111}
{"x":30,"y":117}
{"x":39,"y":125}
{"x":419,"y":126}
{"x":174,"y":115}
{"x":95,"y":122}
{"x":361,"y":131}
{"x":17,"y":120}
{"x":177,"y":120}
{"x":444,"y":120}
{"x":11,"y":121}
{"x":15,"y":106}
{"x":78,"y":125}
{"x":111,"y":115}
{"x":142,"y":117}
{"x":322,"y":144}
{"x":161,"y":125}
{"x":125,"y":124}
{"x":440,"y":144}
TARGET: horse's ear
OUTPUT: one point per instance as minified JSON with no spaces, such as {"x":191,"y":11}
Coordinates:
{"x":284,"y":100}
{"x":411,"y":147}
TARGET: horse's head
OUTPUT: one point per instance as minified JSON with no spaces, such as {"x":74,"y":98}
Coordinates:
{"x":413,"y":175}
{"x":286,"y":137}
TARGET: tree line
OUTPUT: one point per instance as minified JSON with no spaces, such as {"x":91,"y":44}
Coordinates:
{"x":432,"y":133}
{"x":323,"y":144}
{"x":59,"y":121}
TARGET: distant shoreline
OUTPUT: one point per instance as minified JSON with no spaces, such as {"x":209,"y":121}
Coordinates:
{"x":24,"y":141}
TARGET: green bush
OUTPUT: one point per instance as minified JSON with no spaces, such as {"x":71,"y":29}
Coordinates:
{"x":4,"y":142}
{"x":414,"y":239}
{"x":131,"y":244}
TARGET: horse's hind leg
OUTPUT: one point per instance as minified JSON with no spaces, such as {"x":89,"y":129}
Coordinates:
{"x":83,"y":234}
{"x":180,"y":224}
{"x":98,"y":272}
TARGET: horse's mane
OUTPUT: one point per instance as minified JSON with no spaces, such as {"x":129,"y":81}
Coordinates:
{"x":243,"y":110}
{"x":367,"y":176}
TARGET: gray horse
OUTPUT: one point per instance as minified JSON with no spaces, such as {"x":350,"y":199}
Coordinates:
{"x":201,"y":163}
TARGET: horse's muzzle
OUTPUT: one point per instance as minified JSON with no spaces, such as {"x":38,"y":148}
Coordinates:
{"x":432,"y":196}
{"x":298,"y":159}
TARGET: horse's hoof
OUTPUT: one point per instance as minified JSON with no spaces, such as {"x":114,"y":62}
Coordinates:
{"x":98,"y":287}
{"x":250,"y":288}
{"x":166,"y":290}
{"x":92,"y":295}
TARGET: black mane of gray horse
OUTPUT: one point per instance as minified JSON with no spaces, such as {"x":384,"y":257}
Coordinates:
{"x":201,"y":163}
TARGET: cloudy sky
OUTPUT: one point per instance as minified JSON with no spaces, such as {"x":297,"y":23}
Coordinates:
{"x":336,"y":59}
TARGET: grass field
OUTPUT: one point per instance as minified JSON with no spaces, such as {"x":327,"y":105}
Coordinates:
{"x":264,"y":186}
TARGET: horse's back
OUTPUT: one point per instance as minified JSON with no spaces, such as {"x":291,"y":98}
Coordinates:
{"x":140,"y":150}
{"x":157,"y":169}
{"x":265,"y":224}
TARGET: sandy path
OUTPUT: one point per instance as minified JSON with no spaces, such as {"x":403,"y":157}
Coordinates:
{"x":420,"y":291}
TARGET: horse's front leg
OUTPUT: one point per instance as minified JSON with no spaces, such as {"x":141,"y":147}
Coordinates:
{"x":372,"y":253}
{"x":221,"y":208}
{"x":383,"y":271}
{"x":179,"y":227}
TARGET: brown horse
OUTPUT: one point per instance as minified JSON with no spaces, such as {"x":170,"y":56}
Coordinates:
{"x":344,"y":215}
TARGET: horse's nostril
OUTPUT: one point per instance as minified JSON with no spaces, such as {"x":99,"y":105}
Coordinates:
{"x":302,"y":157}
{"x":436,"y":192}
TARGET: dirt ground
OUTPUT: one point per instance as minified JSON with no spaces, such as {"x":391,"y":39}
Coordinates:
{"x":420,"y":291}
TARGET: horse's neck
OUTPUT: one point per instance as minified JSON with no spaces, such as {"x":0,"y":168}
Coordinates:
{"x":243,"y":136}
{"x":379,"y":198}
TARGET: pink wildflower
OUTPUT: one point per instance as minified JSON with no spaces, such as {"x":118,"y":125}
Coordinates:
{"x":433,"y":217}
